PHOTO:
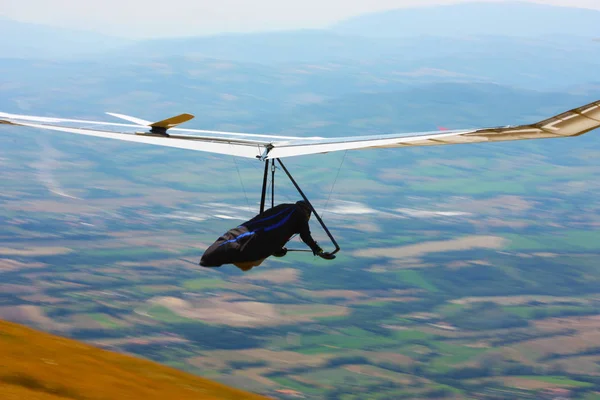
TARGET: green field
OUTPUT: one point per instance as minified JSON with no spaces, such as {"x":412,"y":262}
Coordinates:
{"x":414,"y":278}
{"x":201,"y":284}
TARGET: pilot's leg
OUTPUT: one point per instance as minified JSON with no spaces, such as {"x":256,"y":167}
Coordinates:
{"x":281,"y":252}
{"x":248,"y":265}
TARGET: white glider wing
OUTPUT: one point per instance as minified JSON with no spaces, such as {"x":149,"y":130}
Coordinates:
{"x":571,"y":123}
{"x":231,"y":143}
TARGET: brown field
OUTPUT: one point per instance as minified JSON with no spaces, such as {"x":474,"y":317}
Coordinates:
{"x":591,"y":322}
{"x":545,"y":255}
{"x":218,"y":359}
{"x":367,"y":227}
{"x":37,"y":251}
{"x":562,"y":344}
{"x":256,"y":374}
{"x":467,"y":263}
{"x":158,"y":288}
{"x":38,"y":366}
{"x":60,"y":284}
{"x":150,"y":263}
{"x":245,"y":287}
{"x":499,"y":222}
{"x":517,"y":300}
{"x":384,"y":356}
{"x":394,"y":174}
{"x":370,"y":370}
{"x":287,"y":357}
{"x":388,"y":299}
{"x":232,"y":296}
{"x":166,"y":241}
{"x":433,"y":330}
{"x":280,"y":275}
{"x":245,"y":313}
{"x":528,"y":384}
{"x":87,"y":277}
{"x":416,"y":250}
{"x":12,"y":288}
{"x":298,"y":313}
{"x":167,"y":235}
{"x":7,"y":264}
{"x":66,"y":207}
{"x":497,"y":205}
{"x":333,"y":293}
{"x":42,"y":298}
{"x":587,"y":365}
{"x":144,"y":340}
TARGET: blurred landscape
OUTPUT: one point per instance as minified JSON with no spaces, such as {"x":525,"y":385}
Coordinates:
{"x":465,"y":271}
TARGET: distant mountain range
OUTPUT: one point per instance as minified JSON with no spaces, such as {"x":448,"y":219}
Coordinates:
{"x":474,"y":19}
{"x":401,"y":33}
{"x":26,"y":40}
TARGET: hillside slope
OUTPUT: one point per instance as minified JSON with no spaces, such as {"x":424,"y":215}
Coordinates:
{"x":39,"y":366}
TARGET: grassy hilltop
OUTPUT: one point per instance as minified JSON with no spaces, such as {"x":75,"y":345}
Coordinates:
{"x":39,"y":366}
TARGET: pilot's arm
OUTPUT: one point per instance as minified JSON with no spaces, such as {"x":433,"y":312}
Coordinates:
{"x":308,"y":239}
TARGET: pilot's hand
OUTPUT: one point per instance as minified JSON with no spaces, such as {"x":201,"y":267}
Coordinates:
{"x":326,"y":255}
{"x":281,"y":252}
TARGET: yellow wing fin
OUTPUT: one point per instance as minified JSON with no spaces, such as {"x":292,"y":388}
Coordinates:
{"x":172,"y":122}
{"x":160,"y":128}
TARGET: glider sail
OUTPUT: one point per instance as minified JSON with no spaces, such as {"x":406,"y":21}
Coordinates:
{"x":571,"y":123}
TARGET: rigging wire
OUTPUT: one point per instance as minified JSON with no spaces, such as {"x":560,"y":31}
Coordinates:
{"x":285,"y":194}
{"x":334,"y":182}
{"x":241,"y":181}
{"x":269,"y":183}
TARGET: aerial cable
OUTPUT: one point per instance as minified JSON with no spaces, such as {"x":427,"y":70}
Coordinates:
{"x":271,"y":187}
{"x":241,"y":181}
{"x":334,"y":181}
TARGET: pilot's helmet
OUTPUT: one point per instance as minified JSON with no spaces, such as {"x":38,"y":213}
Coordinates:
{"x":304,"y":207}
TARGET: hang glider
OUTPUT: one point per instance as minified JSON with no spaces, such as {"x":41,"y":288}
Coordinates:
{"x":271,"y":148}
{"x":166,"y":133}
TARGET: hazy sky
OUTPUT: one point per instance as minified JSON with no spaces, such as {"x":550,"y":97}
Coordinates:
{"x":156,"y":18}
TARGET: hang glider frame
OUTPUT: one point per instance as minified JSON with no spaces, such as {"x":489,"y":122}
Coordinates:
{"x":571,"y":123}
{"x":271,"y":163}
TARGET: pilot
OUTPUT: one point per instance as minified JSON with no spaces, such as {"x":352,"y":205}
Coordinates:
{"x":249,"y":244}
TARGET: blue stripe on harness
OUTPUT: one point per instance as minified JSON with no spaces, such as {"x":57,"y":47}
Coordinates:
{"x":277,"y":225}
{"x":237,"y":238}
{"x":268,"y":218}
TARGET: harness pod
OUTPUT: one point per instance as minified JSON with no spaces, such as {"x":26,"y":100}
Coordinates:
{"x":262,"y":236}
